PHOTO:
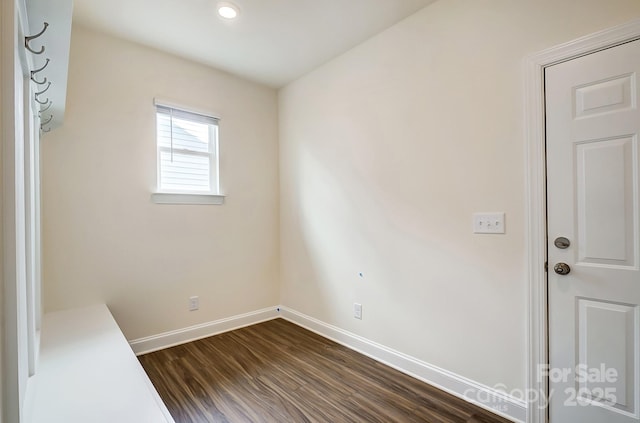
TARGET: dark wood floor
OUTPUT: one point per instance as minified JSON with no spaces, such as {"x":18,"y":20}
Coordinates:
{"x":278,"y":372}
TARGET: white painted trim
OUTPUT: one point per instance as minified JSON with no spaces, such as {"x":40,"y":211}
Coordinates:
{"x":491,"y":399}
{"x":536,"y":193}
{"x":177,"y":105}
{"x":180,"y":198}
{"x":14,"y":374}
{"x":192,"y":333}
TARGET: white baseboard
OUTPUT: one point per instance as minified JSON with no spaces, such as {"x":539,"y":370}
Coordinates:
{"x":181,"y":336}
{"x":491,"y":399}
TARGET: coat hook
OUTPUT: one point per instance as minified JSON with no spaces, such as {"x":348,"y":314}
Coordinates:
{"x":41,"y":102}
{"x":45,"y":130}
{"x":45,"y":90}
{"x":28,"y":39}
{"x":46,"y":63}
{"x":33,"y":73}
{"x":47,"y":121}
{"x":46,"y":108}
{"x":33,"y":78}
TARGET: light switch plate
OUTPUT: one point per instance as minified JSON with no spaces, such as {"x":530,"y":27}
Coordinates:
{"x":488,"y":223}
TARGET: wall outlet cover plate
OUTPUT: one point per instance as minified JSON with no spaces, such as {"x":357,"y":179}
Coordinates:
{"x":488,"y":223}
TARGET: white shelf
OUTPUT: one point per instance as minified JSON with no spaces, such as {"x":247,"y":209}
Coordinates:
{"x":87,"y":372}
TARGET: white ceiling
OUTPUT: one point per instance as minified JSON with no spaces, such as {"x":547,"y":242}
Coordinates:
{"x":272,"y":42}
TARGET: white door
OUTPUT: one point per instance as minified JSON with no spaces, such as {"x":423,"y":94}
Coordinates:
{"x":593,"y":192}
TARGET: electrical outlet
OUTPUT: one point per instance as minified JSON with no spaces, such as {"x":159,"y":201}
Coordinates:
{"x":194,"y":303}
{"x":357,"y":311}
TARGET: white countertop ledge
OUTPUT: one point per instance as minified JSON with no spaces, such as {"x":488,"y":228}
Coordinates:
{"x":87,"y":372}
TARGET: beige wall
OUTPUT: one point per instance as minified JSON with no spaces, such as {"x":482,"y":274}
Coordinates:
{"x":385,"y":154}
{"x":104,"y":241}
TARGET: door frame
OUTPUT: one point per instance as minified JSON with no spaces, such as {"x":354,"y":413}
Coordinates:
{"x":536,"y":207}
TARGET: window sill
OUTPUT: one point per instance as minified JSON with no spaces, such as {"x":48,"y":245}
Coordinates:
{"x":184,"y":198}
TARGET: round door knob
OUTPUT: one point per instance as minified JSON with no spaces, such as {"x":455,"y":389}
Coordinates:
{"x":562,"y":243}
{"x":562,"y":268}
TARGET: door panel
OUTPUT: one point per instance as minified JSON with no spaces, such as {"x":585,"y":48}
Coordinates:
{"x":593,"y":189}
{"x":606,"y":96}
{"x":606,"y":206}
{"x":606,"y":335}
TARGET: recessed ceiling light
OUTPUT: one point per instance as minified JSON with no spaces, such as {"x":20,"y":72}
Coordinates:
{"x":228,"y":10}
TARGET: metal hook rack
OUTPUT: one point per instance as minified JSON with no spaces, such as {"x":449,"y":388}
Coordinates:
{"x":30,"y":38}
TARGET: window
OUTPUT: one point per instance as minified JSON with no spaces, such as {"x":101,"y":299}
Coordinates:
{"x":187,"y":161}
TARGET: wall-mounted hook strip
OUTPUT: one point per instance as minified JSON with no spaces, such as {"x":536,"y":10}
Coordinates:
{"x":28,"y":39}
{"x":41,"y":102}
{"x":46,"y":108}
{"x":45,"y":90}
{"x":47,"y":121}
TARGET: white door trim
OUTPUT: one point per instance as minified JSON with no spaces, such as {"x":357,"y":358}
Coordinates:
{"x":536,"y":196}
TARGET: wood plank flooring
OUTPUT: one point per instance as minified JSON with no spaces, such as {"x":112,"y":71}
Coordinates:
{"x":279,"y":372}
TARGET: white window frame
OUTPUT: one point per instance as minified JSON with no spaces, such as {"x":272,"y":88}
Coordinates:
{"x":213,"y":196}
